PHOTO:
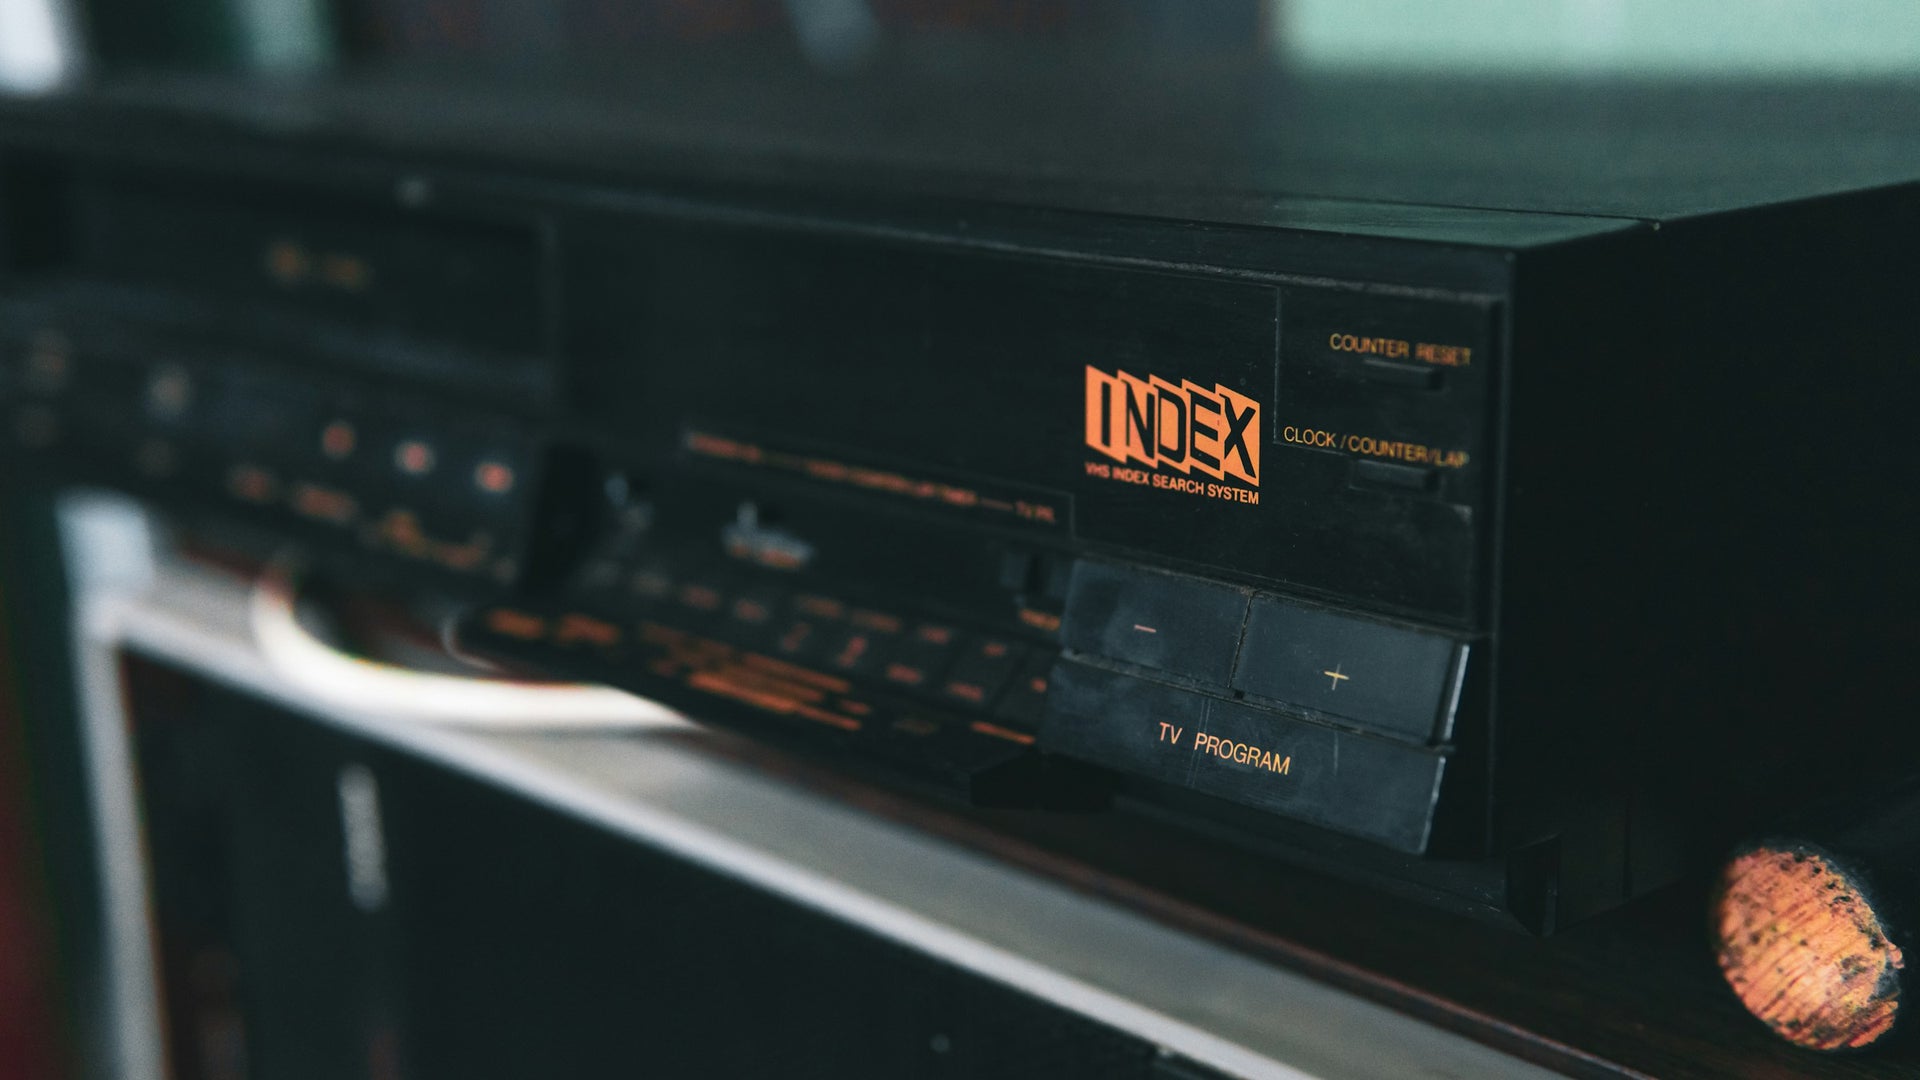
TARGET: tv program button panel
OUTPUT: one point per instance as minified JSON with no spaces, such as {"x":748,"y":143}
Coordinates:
{"x":1350,"y":782}
{"x":1347,"y":670}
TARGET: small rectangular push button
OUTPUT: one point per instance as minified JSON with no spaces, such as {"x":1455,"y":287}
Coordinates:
{"x":1164,"y":621}
{"x":1415,"y":375}
{"x":1393,"y":476}
{"x":1353,"y":783}
{"x":1377,"y":676}
{"x":1124,"y":723}
{"x":1026,"y":699}
{"x":983,"y":666}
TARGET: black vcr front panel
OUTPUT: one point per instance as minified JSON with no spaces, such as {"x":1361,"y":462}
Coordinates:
{"x":971,"y":496}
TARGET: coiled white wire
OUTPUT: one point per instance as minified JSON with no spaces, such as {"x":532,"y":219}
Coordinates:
{"x":369,"y":686}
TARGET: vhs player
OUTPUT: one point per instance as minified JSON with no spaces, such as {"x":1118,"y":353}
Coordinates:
{"x":1495,"y":544}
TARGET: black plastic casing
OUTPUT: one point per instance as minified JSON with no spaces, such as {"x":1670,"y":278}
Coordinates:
{"x":1656,"y":512}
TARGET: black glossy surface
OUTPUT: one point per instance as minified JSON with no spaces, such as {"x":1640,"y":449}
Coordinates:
{"x":1450,"y":159}
{"x":1381,"y":677}
{"x":1357,"y":785}
{"x":1175,"y":624}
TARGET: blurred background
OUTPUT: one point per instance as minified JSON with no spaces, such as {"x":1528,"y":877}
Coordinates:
{"x":43,"y":42}
{"x":1095,"y":51}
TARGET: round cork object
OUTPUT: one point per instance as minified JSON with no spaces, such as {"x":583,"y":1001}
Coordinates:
{"x":1804,"y":949}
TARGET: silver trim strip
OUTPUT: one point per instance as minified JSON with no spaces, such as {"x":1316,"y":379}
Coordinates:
{"x":108,"y":552}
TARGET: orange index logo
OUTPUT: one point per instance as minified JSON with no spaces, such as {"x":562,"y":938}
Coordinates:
{"x":1180,"y":426}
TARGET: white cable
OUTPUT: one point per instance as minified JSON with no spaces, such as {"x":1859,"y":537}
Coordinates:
{"x":340,"y":680}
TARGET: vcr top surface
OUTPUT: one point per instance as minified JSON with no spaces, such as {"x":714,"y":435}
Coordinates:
{"x":1501,"y":163}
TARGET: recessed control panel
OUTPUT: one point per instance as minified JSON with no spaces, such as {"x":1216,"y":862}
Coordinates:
{"x":377,"y":469}
{"x":1256,"y":699}
{"x":1034,"y":524}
